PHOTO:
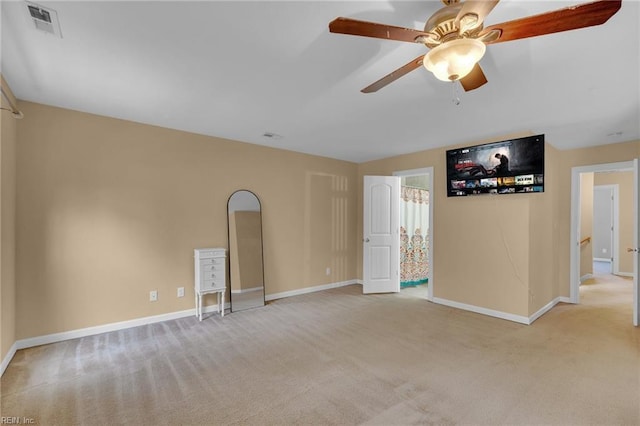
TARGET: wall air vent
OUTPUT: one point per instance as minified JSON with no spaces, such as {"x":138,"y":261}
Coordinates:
{"x":44,"y":19}
{"x":271,"y":135}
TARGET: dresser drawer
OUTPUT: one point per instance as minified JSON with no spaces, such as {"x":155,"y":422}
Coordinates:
{"x":212,"y":261}
{"x":212,"y":275}
{"x":211,"y":284}
{"x":211,"y":267}
{"x":205,"y":253}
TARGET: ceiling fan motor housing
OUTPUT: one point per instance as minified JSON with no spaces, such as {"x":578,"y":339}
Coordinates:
{"x":442,"y":27}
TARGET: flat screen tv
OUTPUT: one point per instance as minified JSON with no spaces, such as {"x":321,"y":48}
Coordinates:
{"x":507,"y":167}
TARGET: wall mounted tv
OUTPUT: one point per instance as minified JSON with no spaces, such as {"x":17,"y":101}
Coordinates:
{"x":506,"y":167}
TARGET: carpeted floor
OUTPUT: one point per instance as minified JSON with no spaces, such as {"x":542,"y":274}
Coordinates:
{"x":339,"y":357}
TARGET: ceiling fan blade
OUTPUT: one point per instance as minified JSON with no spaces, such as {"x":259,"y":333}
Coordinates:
{"x":474,"y":79}
{"x":390,"y":78}
{"x":371,"y":29}
{"x":570,"y":18}
{"x":473,"y":12}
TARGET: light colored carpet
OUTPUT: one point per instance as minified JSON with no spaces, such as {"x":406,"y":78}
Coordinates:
{"x":340,"y":357}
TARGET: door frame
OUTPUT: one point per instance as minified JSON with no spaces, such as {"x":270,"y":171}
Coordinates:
{"x":419,"y":172}
{"x":574,"y":268}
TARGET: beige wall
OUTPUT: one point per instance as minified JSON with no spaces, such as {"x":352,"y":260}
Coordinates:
{"x":8,"y":142}
{"x":586,"y":223}
{"x":543,"y":229}
{"x":108,"y":210}
{"x":490,"y":235}
{"x":517,"y":247}
{"x":624,"y":180}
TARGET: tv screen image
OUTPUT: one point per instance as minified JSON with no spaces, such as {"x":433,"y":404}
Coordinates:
{"x":506,"y":167}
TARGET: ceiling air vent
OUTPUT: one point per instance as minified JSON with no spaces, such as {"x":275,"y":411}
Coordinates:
{"x":44,"y":19}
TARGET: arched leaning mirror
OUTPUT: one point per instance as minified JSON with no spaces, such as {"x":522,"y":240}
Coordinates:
{"x":246,"y":271}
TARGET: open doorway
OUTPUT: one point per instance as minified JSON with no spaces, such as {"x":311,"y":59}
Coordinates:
{"x":604,"y":230}
{"x":416,"y":241}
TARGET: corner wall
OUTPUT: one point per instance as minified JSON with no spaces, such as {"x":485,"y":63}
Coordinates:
{"x":8,"y":142}
{"x":543,"y":234}
{"x":482,"y":245}
{"x":515,"y":249}
{"x":108,"y":210}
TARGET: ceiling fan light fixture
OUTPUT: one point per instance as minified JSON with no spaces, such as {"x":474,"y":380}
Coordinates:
{"x":454,"y":59}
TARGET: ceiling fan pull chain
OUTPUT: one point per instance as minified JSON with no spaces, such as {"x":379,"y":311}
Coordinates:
{"x":455,"y":94}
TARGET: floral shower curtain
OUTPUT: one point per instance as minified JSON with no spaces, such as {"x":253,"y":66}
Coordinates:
{"x":414,"y":249}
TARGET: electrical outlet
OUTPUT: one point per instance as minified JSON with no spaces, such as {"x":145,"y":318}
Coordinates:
{"x":180,"y":291}
{"x":328,"y":271}
{"x":153,"y":295}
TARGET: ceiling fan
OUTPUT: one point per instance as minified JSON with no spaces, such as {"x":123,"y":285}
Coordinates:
{"x":457,"y":38}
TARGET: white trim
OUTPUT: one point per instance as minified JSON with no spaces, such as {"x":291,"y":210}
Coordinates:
{"x":574,"y":260}
{"x":504,"y":315}
{"x":636,"y":242}
{"x":615,"y":244}
{"x":306,"y":290}
{"x":586,"y":277}
{"x":544,"y":309}
{"x":624,"y":274}
{"x":602,"y":259}
{"x":479,"y":310}
{"x":7,"y":359}
{"x":105,"y":328}
{"x":247,"y":290}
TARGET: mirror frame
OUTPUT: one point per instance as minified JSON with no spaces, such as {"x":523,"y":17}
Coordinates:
{"x":264,"y":286}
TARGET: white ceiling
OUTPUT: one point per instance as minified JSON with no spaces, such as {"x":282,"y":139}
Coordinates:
{"x":239,"y":69}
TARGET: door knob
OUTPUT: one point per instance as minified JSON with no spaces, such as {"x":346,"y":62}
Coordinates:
{"x":366,"y":240}
{"x":635,"y":250}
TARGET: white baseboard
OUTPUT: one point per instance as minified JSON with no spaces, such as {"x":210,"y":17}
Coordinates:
{"x":306,"y":290}
{"x":586,"y":277}
{"x":547,"y":308}
{"x":621,"y":274}
{"x":564,"y":299}
{"x":90,"y":331}
{"x":479,"y":310}
{"x":7,"y":359}
{"x":247,"y":290}
{"x":504,"y":315}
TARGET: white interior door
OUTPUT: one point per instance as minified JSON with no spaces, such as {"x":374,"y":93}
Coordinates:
{"x":636,"y":242}
{"x":603,"y":249}
{"x":381,"y":235}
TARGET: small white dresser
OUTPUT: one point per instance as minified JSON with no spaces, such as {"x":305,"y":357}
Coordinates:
{"x":210,"y":266}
